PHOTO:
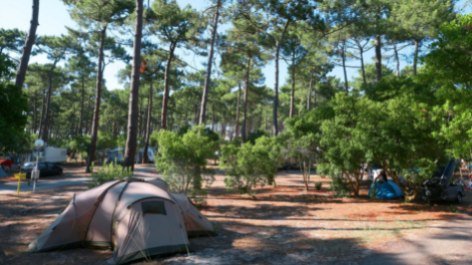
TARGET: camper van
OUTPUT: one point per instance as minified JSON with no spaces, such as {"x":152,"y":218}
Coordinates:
{"x":50,"y":154}
{"x":55,"y":155}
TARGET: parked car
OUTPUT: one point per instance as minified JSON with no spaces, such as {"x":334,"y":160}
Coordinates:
{"x":439,"y":187}
{"x":45,"y":169}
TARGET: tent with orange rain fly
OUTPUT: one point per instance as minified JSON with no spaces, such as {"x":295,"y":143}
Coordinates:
{"x":135,"y":218}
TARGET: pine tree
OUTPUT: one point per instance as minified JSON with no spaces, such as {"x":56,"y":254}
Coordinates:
{"x":29,"y":43}
{"x":272,"y":19}
{"x":176,"y":27}
{"x":56,"y":49}
{"x":97,"y":16}
{"x":130,"y":149}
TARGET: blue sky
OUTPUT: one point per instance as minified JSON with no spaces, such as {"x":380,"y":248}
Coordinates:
{"x":53,"y":17}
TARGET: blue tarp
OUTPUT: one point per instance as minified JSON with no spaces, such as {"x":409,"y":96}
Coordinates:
{"x":387,"y":190}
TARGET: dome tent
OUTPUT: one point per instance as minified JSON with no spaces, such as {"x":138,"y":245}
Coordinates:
{"x":195,"y":223}
{"x":133,"y":217}
{"x":387,"y":190}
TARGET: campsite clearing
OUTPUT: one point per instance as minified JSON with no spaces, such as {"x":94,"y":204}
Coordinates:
{"x":275,"y":226}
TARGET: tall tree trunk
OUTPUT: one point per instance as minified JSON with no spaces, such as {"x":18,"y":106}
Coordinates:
{"x":397,"y":59}
{"x":140,"y":117}
{"x":35,"y":112}
{"x":343,"y":56}
{"x":41,"y":114}
{"x":361,"y":53}
{"x":72,"y":126}
{"x":315,"y":96}
{"x":49,"y":127}
{"x":260,"y":117}
{"x":21,"y":73}
{"x":148,"y":125}
{"x":223,"y":128}
{"x":415,"y":59}
{"x":165,"y":99}
{"x":96,"y":110}
{"x":310,"y":88}
{"x":41,"y":118}
{"x":48,"y":103}
{"x":292,"y":91}
{"x":81,"y":117}
{"x":130,"y":150}
{"x":86,"y":128}
{"x":237,"y":110}
{"x":378,"y":58}
{"x":213,"y":118}
{"x":206,"y":86}
{"x":276,"y":83}
{"x":246,"y":91}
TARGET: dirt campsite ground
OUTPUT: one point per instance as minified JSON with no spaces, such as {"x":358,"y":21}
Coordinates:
{"x":282,"y":225}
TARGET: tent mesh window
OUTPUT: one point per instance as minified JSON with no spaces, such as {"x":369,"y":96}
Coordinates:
{"x":153,"y":207}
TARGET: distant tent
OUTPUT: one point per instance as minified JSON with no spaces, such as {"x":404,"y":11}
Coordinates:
{"x":135,"y":218}
{"x":386,"y":190}
{"x":2,"y":173}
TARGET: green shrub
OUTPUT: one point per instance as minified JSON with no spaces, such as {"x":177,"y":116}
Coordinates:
{"x":340,"y":186}
{"x":453,"y":209}
{"x":183,"y":159}
{"x":318,"y":185}
{"x":254,"y":135}
{"x":243,"y":167}
{"x":113,"y":171}
{"x":270,"y":156}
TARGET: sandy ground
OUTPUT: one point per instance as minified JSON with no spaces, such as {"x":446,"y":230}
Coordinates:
{"x":282,"y":225}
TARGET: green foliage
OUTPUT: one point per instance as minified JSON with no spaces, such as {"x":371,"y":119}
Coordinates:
{"x":271,"y":154}
{"x":243,"y":167}
{"x":13,"y":105}
{"x":391,"y":124}
{"x":318,"y":185}
{"x":121,"y":140}
{"x":213,"y":136}
{"x":81,"y":145}
{"x":109,"y":172}
{"x":303,"y":138}
{"x":11,"y":40}
{"x":254,"y":135}
{"x":90,"y":13}
{"x":449,"y":61}
{"x":105,"y":140}
{"x":173,"y":24}
{"x":251,"y":165}
{"x":153,"y":139}
{"x":339,"y":185}
{"x":184,"y":129}
{"x":453,"y":209}
{"x":183,"y":159}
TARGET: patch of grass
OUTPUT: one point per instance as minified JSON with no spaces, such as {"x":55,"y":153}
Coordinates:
{"x":453,"y":209}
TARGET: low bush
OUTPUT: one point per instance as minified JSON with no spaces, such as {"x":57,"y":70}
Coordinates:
{"x":340,"y":186}
{"x":243,"y":167}
{"x":110,"y":172}
{"x":318,"y":185}
{"x":182,"y":159}
{"x":251,"y":164}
